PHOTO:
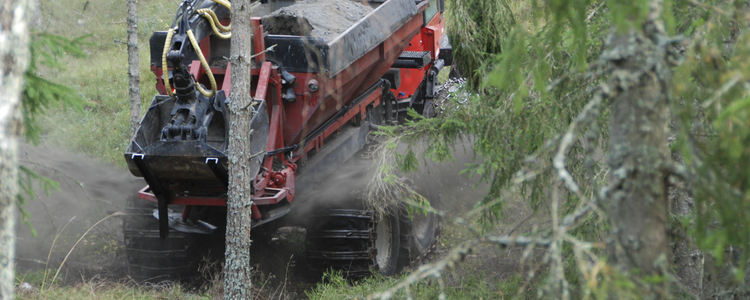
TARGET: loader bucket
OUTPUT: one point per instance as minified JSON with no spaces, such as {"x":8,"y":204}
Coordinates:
{"x":191,"y":161}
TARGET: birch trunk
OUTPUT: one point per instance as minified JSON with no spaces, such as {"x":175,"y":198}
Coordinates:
{"x":14,"y":58}
{"x":237,"y":284}
{"x":133,"y":71}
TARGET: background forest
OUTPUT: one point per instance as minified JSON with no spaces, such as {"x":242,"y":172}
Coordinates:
{"x":610,"y":141}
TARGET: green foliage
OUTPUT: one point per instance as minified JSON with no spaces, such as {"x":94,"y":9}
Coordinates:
{"x":39,"y":93}
{"x":713,"y":131}
{"x":517,"y":109}
{"x":478,"y":29}
{"x":98,"y":289}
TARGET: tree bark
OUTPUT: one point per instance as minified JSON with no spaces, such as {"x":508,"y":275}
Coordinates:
{"x":133,"y":71}
{"x":237,"y":283}
{"x":638,"y":148}
{"x":688,"y":259}
{"x":689,"y":262}
{"x":14,"y":58}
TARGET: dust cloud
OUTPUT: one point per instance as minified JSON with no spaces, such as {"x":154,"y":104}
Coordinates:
{"x":456,"y":192}
{"x":89,"y":191}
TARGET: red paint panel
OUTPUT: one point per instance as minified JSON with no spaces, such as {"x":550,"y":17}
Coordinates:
{"x":258,"y":40}
{"x":428,"y":39}
{"x":262,"y":87}
{"x":304,"y":116}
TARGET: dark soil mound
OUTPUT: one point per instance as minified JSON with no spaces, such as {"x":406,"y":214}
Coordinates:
{"x":324,"y":19}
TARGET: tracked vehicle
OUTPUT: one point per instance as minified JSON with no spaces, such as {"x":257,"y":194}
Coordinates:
{"x":316,"y":97}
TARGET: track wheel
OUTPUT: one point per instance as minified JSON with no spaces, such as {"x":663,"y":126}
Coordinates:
{"x":153,"y":259}
{"x":429,"y":110}
{"x":387,"y":242}
{"x":353,"y":241}
{"x":420,"y":233}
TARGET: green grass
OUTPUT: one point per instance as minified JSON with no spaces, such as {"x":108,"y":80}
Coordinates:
{"x":101,"y":290}
{"x":102,"y":129}
{"x":459,"y":284}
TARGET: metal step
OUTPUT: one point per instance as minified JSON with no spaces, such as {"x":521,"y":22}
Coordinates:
{"x":413,"y":60}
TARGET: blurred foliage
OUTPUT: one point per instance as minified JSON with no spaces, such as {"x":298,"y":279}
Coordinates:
{"x":516,"y":109}
{"x":711,"y":120}
{"x":529,"y":82}
{"x":40,"y":94}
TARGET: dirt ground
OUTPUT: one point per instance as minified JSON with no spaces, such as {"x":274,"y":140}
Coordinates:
{"x":89,"y":191}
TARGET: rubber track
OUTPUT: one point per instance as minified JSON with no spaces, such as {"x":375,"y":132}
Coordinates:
{"x":343,"y":241}
{"x":409,"y":256}
{"x":149,"y":257}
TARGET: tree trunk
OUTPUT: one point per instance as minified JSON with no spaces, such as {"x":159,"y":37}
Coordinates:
{"x":638,"y":148}
{"x":14,"y":58}
{"x":688,"y":259}
{"x":237,"y":284}
{"x":134,"y":73}
{"x":689,"y":262}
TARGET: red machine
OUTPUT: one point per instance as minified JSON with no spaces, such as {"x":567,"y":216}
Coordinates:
{"x":315,"y":100}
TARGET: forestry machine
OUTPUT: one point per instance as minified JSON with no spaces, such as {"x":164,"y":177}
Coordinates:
{"x":315,"y":100}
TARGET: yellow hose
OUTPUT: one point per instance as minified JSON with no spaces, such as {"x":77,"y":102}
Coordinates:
{"x":215,"y":24}
{"x":164,"y":69}
{"x":224,"y":3}
{"x":205,"y":66}
{"x":217,"y":28}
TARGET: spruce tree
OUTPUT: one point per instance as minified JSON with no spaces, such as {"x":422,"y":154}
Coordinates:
{"x":642,"y":81}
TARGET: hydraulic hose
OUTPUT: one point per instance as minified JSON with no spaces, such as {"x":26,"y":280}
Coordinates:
{"x":219,"y":30}
{"x":224,"y":3}
{"x":205,"y":66}
{"x":164,"y":68}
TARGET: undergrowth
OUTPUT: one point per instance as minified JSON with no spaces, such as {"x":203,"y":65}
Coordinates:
{"x":28,"y":288}
{"x":463,"y":283}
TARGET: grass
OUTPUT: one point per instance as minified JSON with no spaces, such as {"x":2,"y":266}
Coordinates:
{"x":472,"y":287}
{"x":101,"y":289}
{"x":470,"y":280}
{"x":101,"y":130}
